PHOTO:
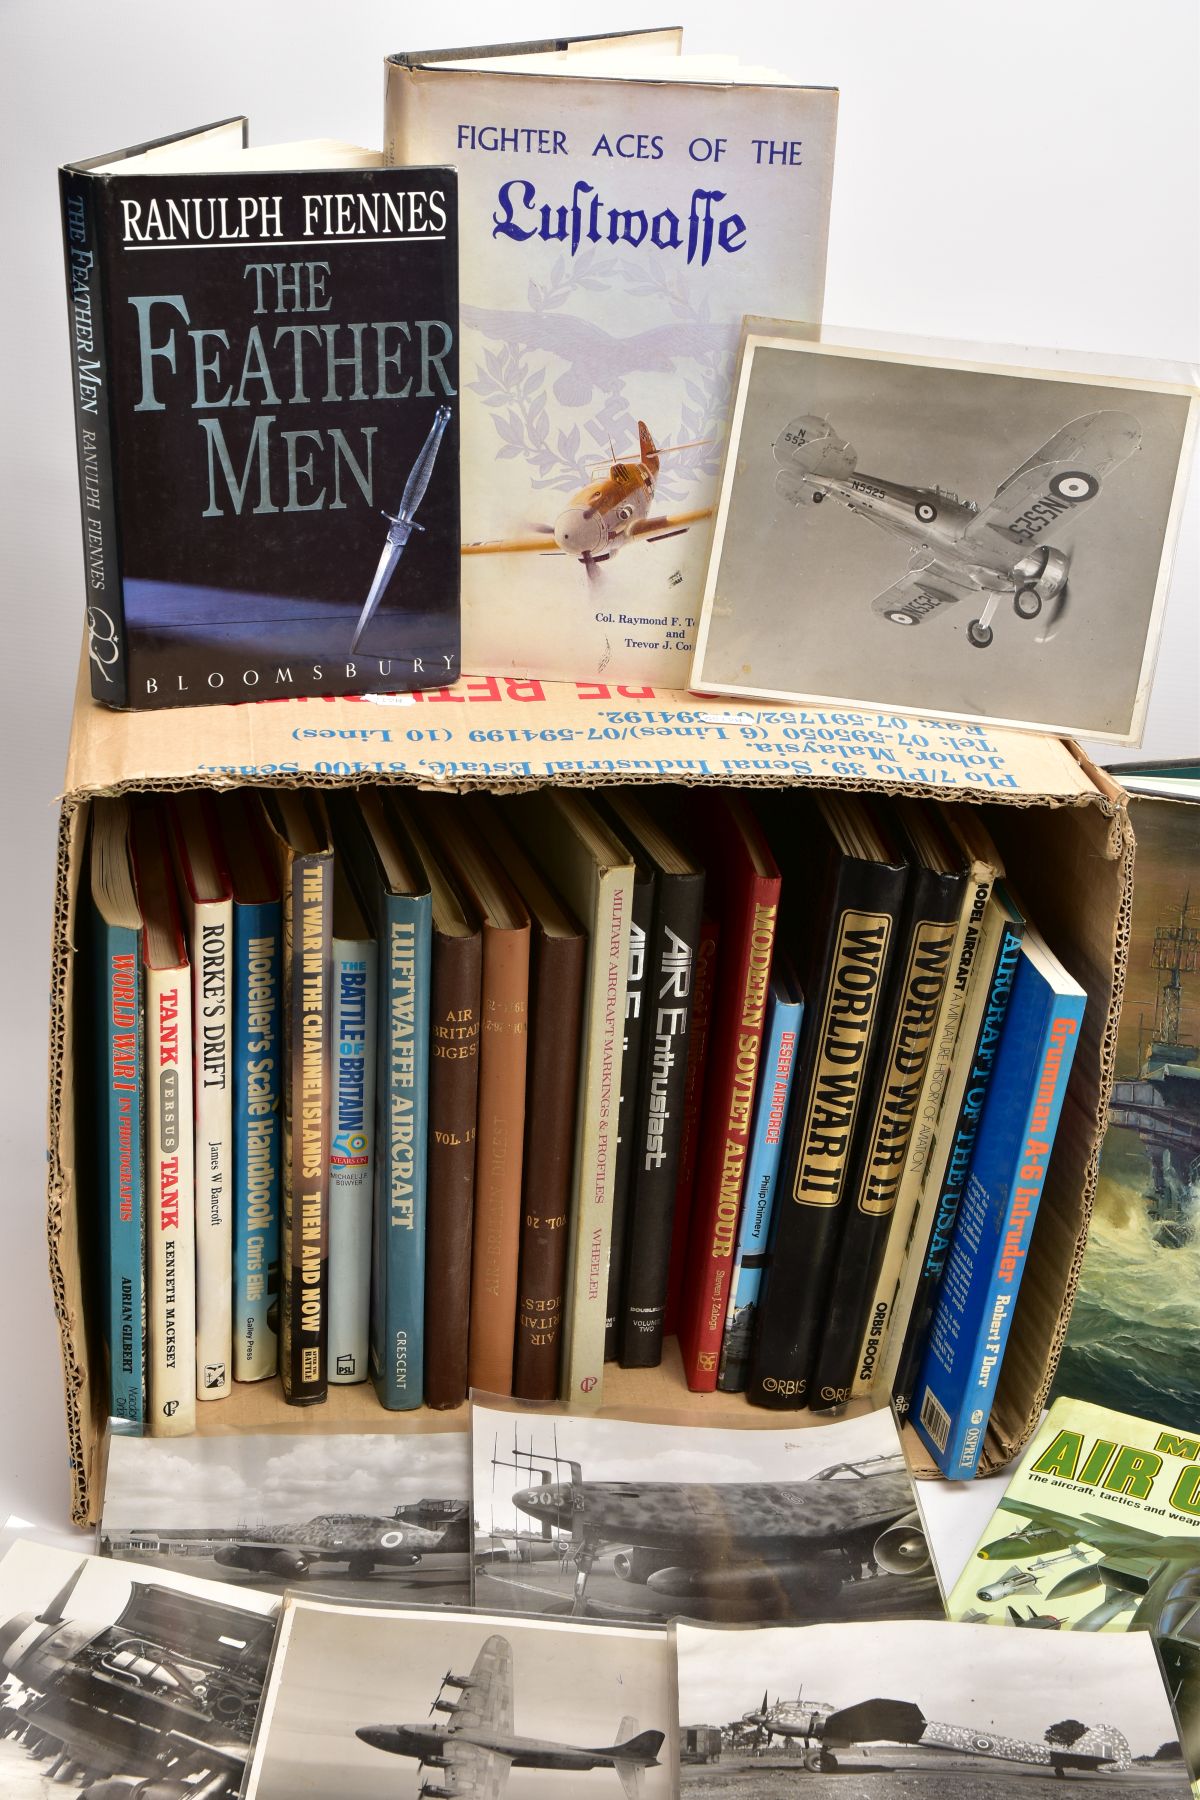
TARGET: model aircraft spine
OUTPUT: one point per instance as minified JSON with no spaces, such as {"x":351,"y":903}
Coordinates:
{"x":849,"y":957}
{"x":745,"y":889}
{"x":120,"y":1045}
{"x":397,"y":1346}
{"x":785,"y":1012}
{"x":83,"y":197}
{"x":905,"y":1222}
{"x":257,"y":1065}
{"x":960,"y":1143}
{"x":905,"y":1042}
{"x":659,"y":1118}
{"x":354,"y":986}
{"x":641,"y":920}
{"x":957,"y":1379}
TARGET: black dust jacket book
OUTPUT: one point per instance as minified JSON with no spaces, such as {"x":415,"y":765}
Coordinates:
{"x":265,"y":369}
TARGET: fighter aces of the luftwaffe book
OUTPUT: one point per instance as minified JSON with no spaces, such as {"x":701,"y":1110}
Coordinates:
{"x":265,"y":373}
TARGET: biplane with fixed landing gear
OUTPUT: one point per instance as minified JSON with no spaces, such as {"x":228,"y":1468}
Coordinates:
{"x":962,"y":552}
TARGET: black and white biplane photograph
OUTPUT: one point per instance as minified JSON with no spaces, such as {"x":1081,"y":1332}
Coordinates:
{"x":986,"y":543}
{"x":383,"y":1704}
{"x":118,"y":1682}
{"x":902,"y":1709}
{"x":363,"y":1515}
{"x":600,"y":1518}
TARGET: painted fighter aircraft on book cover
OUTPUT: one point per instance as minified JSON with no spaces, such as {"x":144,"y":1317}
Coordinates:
{"x":611,"y":512}
{"x":478,"y":1745}
{"x":961,"y":551}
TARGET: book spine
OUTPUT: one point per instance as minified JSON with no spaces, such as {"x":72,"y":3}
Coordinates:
{"x":829,"y":1098}
{"x":894,"y":1081}
{"x":640,"y":924}
{"x":456,"y":970}
{"x":503,"y":1058}
{"x":762,"y":1175}
{"x":595,"y":1142}
{"x":82,"y":199}
{"x":171,"y":1217}
{"x":120,"y":1064}
{"x":958,"y":1162}
{"x":957,"y":1379}
{"x":397,"y":1344}
{"x":354,"y":978}
{"x":304,"y":1233}
{"x":212,"y":1014}
{"x":257,"y":1059}
{"x":876,"y":1335}
{"x":729,"y":1098}
{"x":659,"y":1118}
{"x":703,"y":985}
{"x":555,"y":1010}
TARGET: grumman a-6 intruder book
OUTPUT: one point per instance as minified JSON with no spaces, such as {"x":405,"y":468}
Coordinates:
{"x":622,"y":207}
{"x":265,"y":371}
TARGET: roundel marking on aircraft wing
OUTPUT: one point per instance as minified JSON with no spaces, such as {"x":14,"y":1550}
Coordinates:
{"x":926,"y":511}
{"x":391,"y":1539}
{"x":1074,"y":484}
{"x":981,"y":1743}
{"x":900,"y":618}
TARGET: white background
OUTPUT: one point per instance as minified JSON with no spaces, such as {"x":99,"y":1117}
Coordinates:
{"x":1007,"y":172}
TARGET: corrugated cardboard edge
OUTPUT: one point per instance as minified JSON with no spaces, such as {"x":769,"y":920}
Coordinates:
{"x":81,"y":1366}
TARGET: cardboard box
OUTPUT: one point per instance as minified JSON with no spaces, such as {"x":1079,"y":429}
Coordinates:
{"x":1061,"y":825}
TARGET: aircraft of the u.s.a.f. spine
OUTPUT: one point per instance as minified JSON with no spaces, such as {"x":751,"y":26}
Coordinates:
{"x":962,"y":552}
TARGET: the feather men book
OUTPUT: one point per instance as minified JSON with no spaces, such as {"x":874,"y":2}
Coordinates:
{"x":623,"y":206}
{"x":264,"y":351}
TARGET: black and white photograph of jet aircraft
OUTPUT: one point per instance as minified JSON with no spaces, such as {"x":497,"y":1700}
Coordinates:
{"x":982,"y":542}
{"x":599,"y":1518}
{"x":372,"y":1515}
{"x":906,"y":1708}
{"x":385,"y":1704}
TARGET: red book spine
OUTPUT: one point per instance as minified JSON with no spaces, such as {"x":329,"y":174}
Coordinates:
{"x":689,"y":1143}
{"x":748,"y":937}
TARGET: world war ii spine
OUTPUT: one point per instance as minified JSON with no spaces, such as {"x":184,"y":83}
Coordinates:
{"x":257,"y":1067}
{"x":659,"y":1119}
{"x":894,"y":1082}
{"x":960,"y":1144}
{"x":704,"y":975}
{"x":212,"y":1012}
{"x":354,"y":982}
{"x":456,"y":969}
{"x":846,"y":1001}
{"x":82,"y":200}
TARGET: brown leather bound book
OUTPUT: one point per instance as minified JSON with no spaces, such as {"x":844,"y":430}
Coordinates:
{"x":504,"y":1039}
{"x":456,"y":975}
{"x":558,"y":959}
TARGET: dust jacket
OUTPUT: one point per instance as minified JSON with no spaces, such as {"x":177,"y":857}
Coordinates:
{"x":265,"y":373}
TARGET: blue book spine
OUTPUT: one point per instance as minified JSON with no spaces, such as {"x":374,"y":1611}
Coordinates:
{"x":402,"y":1094}
{"x":784,"y":1016}
{"x":352,"y":1155}
{"x":120,"y":1062}
{"x":957,"y":1379}
{"x":257,"y":1063}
